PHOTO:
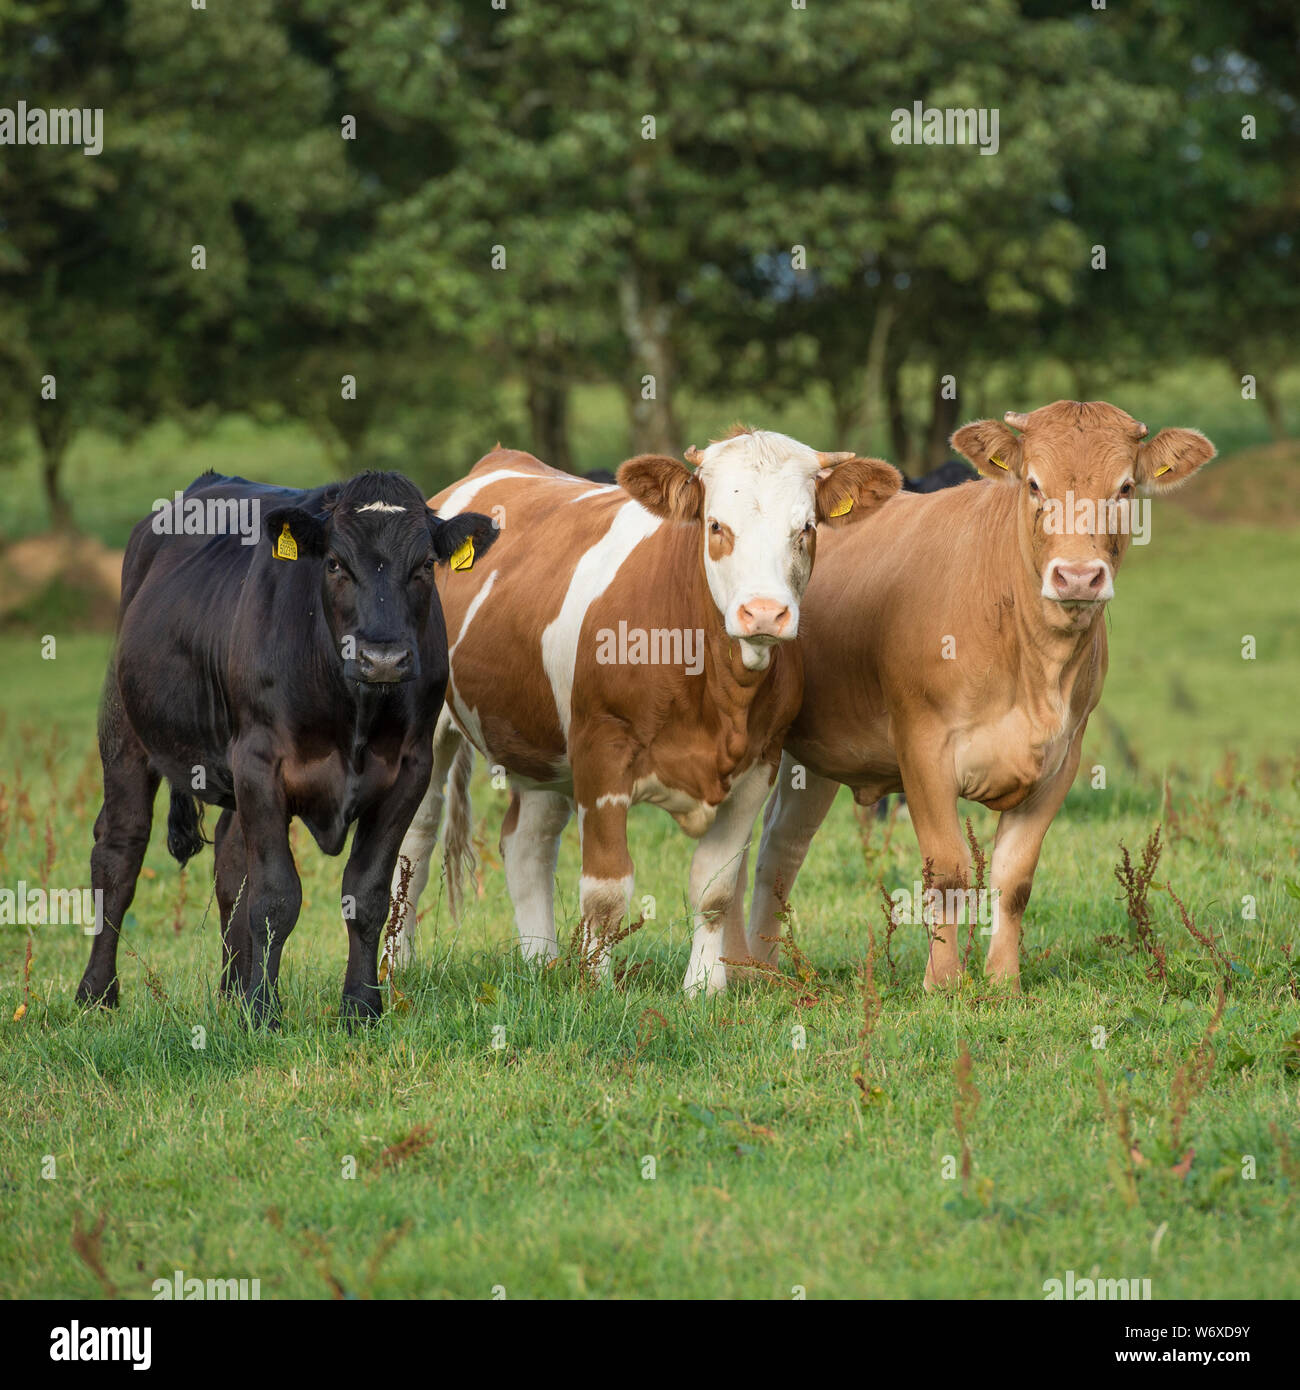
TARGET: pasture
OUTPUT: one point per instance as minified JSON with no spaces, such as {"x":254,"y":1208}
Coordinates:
{"x":833,"y":1130}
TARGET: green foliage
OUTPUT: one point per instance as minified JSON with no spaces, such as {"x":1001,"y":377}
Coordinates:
{"x":771,"y":240}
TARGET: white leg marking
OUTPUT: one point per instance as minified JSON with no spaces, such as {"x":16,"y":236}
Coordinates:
{"x":788,"y":827}
{"x":716,"y":870}
{"x":529,"y":853}
{"x":421,"y":837}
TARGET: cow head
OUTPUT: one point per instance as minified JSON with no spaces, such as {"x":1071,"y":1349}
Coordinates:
{"x":1078,"y":469}
{"x":375,"y":542}
{"x":757,"y":499}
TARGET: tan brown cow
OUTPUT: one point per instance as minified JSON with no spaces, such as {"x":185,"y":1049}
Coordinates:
{"x":954,"y":646}
{"x":626,"y":644}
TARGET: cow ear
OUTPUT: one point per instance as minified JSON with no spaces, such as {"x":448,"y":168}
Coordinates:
{"x":294,"y":534}
{"x":1172,"y":457}
{"x":461,"y":539}
{"x":854,"y":488}
{"x":664,"y":487}
{"x":991,"y":446}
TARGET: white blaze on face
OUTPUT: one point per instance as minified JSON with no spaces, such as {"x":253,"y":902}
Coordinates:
{"x":760,"y":516}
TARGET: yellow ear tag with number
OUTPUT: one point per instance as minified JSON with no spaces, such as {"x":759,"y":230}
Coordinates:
{"x":286,"y":548}
{"x":994,"y":459}
{"x":842,"y":509}
{"x":463,"y":556}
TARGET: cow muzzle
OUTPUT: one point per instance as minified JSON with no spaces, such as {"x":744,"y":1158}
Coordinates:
{"x":1088,"y":582}
{"x":765,"y":617}
{"x":385,"y":663}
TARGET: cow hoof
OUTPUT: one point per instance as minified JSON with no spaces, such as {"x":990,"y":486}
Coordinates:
{"x":356,"y":1009}
{"x":698,"y":984}
{"x":95,"y":996}
{"x":947,"y":980}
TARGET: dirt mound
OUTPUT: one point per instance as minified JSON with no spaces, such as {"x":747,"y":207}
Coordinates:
{"x":1256,"y":487}
{"x":68,"y":578}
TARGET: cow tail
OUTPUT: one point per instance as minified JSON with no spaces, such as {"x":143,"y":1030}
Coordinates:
{"x":184,"y":826}
{"x":458,"y":842}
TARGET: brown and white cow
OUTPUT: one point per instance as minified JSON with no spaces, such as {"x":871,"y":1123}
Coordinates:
{"x":954,"y":646}
{"x":632,"y":643}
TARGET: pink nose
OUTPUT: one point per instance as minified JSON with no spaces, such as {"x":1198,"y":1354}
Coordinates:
{"x":763,"y":617}
{"x":1078,"y":583}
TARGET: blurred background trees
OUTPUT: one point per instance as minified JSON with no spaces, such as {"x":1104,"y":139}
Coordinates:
{"x":473,"y":215}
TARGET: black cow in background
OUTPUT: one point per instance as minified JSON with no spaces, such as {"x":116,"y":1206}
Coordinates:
{"x":300,"y":675}
{"x":948,"y":474}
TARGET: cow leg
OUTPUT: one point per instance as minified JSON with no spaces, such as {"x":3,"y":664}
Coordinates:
{"x":605,"y":887}
{"x":274,"y":890}
{"x":121,"y":838}
{"x":1016,"y":847}
{"x":790,"y":822}
{"x":232,"y":904}
{"x":932,"y":801}
{"x":421,"y":838}
{"x":717,"y":882}
{"x":367,"y":882}
{"x":530,"y":846}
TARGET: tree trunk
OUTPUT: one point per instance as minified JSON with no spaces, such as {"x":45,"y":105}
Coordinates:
{"x":877,"y":347}
{"x":898,"y":438}
{"x":846,"y":408}
{"x":54,"y":445}
{"x":1273,"y":411}
{"x":943,"y":420}
{"x":647,"y":325}
{"x":548,"y":416}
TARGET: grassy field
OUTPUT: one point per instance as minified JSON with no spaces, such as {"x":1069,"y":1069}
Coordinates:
{"x":621,"y":1142}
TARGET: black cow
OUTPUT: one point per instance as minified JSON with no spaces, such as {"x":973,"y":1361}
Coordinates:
{"x":300,"y":675}
{"x":949,"y":474}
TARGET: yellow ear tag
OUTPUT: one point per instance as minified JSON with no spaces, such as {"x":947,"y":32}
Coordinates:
{"x":1164,"y":470}
{"x":843,"y":509}
{"x":998,"y":461}
{"x":463,"y":557}
{"x":286,"y":548}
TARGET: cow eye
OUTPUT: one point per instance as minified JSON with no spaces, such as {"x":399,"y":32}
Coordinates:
{"x":715,"y":527}
{"x":809,"y":527}
{"x":1034,"y":490}
{"x":1126,"y":490}
{"x":332,"y":565}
